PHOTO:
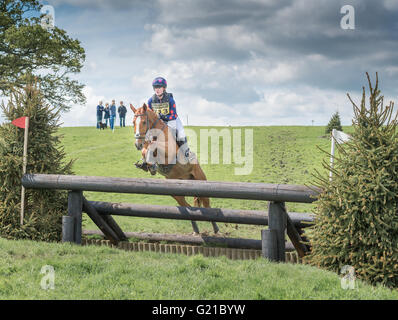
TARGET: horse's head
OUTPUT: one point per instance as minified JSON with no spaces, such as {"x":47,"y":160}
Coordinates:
{"x":144,"y":118}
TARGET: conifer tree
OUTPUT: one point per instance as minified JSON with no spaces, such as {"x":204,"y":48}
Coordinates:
{"x":356,"y":213}
{"x":44,"y":208}
{"x":334,"y":123}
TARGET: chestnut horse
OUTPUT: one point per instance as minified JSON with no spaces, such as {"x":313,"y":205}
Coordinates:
{"x":158,"y":146}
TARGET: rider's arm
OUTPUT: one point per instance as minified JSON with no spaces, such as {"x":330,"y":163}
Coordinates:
{"x":150,"y":103}
{"x":172,"y":110}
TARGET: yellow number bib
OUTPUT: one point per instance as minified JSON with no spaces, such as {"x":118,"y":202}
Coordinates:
{"x":161,"y":108}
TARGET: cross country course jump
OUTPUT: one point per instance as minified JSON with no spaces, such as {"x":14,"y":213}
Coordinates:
{"x":272,"y":244}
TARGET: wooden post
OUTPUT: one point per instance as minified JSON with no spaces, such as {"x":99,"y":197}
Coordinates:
{"x":277,"y":221}
{"x":68,"y":229}
{"x":75,"y":207}
{"x":296,"y":238}
{"x":269,"y":244}
{"x":114,"y":226}
{"x":101,"y":223}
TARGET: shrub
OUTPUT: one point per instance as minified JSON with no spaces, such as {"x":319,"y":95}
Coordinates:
{"x":334,"y":123}
{"x":44,"y":208}
{"x":356,"y":214}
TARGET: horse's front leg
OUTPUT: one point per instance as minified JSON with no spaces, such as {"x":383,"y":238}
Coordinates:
{"x":149,"y":154}
{"x":145,"y":164}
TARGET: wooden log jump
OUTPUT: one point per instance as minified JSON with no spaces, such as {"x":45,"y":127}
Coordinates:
{"x":195,"y":213}
{"x":173,"y":187}
{"x":272,"y":241}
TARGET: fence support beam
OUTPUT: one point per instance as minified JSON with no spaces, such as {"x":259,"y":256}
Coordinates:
{"x":269,"y":244}
{"x":104,"y":226}
{"x":277,"y":221}
{"x":75,"y":206}
{"x":68,"y":229}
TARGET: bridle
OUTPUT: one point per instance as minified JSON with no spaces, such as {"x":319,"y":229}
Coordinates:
{"x":147,"y":126}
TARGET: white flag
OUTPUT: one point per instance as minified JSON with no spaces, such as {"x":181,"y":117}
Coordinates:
{"x":339,"y":137}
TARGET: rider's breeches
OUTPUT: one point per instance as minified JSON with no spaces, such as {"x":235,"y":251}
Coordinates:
{"x":177,"y":124}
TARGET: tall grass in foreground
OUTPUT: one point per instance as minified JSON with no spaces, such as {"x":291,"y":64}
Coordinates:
{"x":105,"y":273}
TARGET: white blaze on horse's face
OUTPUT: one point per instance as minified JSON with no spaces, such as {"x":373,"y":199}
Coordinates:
{"x":138,"y":141}
{"x":140,"y":130}
{"x":137,"y":127}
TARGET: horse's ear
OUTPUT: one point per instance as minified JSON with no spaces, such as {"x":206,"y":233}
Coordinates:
{"x":144,"y":106}
{"x":132,"y":108}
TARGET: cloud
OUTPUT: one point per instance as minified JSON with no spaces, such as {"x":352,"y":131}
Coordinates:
{"x":83,"y":115}
{"x":233,"y":62}
{"x":101,"y":4}
{"x":390,"y":4}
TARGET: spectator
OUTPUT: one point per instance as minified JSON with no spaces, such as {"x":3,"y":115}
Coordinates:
{"x":100,"y":110}
{"x":122,"y":110}
{"x":107,"y":113}
{"x":112,"y":115}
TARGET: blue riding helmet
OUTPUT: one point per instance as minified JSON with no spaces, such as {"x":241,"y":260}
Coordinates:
{"x":159,"y":82}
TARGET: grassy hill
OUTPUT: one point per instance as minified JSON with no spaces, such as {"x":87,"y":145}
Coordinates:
{"x":281,"y":155}
{"x":285,"y":155}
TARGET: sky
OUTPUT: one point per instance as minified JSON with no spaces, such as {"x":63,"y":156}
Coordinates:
{"x":239,"y":63}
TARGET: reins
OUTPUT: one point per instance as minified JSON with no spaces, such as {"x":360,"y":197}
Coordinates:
{"x":153,"y":125}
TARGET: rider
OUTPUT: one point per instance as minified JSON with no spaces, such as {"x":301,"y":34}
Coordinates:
{"x":163,"y":104}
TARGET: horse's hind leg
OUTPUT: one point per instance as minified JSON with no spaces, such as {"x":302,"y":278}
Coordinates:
{"x":182,"y":202}
{"x":198,"y":174}
{"x":206,"y":203}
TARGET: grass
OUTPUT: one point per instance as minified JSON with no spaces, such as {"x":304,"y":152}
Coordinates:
{"x":104,"y":273}
{"x":282,"y":155}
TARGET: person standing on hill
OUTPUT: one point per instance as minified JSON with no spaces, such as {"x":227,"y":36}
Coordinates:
{"x":100,"y":110}
{"x":122,"y":110}
{"x":112,"y":115}
{"x":106,"y":113}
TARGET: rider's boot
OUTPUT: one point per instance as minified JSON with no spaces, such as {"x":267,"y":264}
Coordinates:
{"x":181,"y":143}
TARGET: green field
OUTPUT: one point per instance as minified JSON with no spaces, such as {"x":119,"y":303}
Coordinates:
{"x":282,"y":155}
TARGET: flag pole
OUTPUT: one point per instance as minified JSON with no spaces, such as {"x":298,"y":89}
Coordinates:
{"x":332,"y":154}
{"x":25,"y":156}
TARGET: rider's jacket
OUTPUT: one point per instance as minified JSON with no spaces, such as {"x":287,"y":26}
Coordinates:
{"x":166,"y":107}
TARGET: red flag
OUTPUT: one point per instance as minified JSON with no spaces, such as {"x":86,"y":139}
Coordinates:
{"x":20,"y":122}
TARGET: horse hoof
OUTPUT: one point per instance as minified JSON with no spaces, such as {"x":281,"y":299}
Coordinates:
{"x":143,"y":166}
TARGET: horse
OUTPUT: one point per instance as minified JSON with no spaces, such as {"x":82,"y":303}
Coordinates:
{"x":158,"y":147}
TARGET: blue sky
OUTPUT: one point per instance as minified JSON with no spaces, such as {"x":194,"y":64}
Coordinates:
{"x":252,"y":62}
